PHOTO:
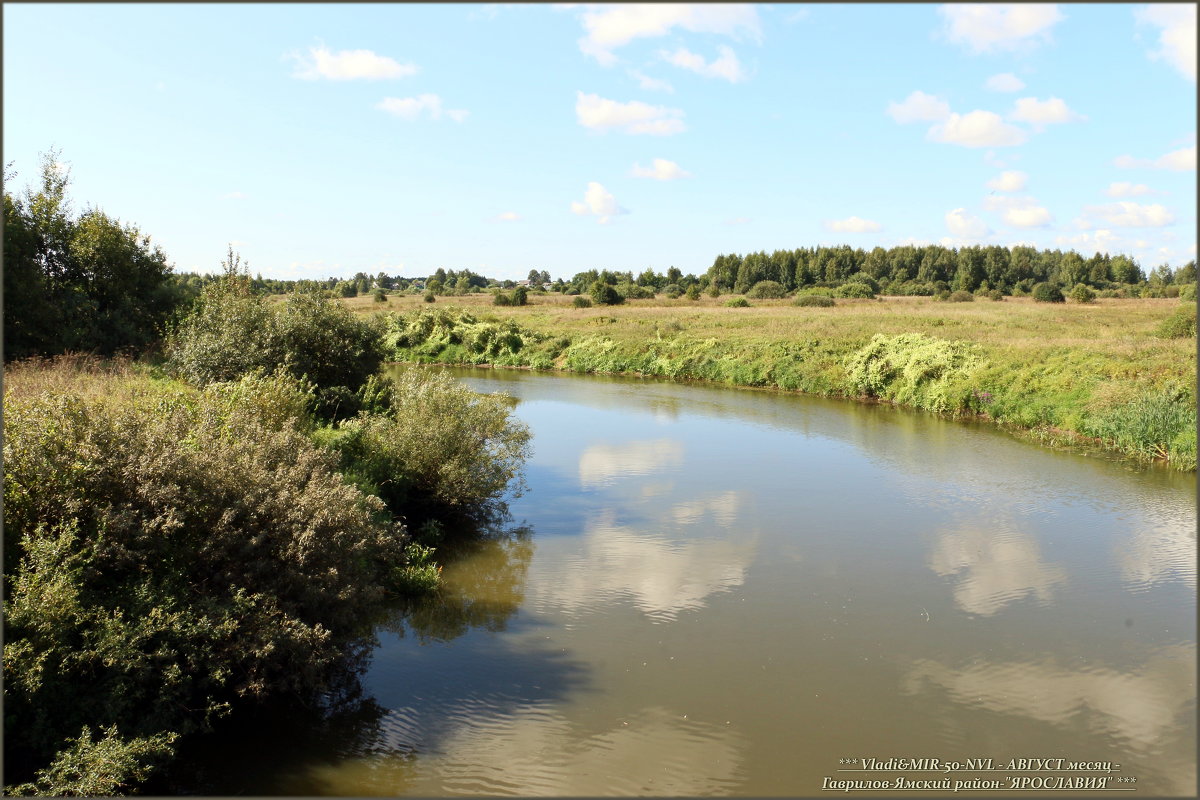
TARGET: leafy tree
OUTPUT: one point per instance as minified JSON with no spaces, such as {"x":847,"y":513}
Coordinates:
{"x":604,"y":294}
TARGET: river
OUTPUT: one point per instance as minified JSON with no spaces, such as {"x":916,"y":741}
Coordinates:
{"x":711,"y":591}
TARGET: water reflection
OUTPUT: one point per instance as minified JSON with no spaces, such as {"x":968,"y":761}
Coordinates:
{"x":539,"y":751}
{"x":1161,"y":553}
{"x":602,"y":463}
{"x":992,"y":567}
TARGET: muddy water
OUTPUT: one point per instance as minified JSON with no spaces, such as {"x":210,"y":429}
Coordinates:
{"x":712,"y":591}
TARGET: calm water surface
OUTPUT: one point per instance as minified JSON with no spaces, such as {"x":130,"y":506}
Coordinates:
{"x":713,"y":591}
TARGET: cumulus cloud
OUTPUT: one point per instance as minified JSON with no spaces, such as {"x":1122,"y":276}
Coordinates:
{"x":412,"y":107}
{"x":348,"y":65}
{"x":602,"y":114}
{"x":977,"y":129}
{"x":612,"y":26}
{"x":661,"y":170}
{"x":1043,"y":112}
{"x":992,"y":27}
{"x":1180,"y":160}
{"x":1020,"y":212}
{"x":597,"y":202}
{"x":726,"y":66}
{"x":1127,"y":214}
{"x":964,"y":226}
{"x":919,"y":107}
{"x":852,"y":225}
{"x":1009,"y":181}
{"x":1127,"y":189}
{"x":651,"y":84}
{"x":1005,"y":82}
{"x":1177,"y":37}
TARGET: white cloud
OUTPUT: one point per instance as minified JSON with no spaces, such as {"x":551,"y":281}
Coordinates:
{"x":991,"y":27}
{"x":348,"y":65}
{"x":977,"y":129}
{"x":599,"y":202}
{"x":411,"y":107}
{"x":1028,"y":217}
{"x":1043,"y":112}
{"x":964,"y":226}
{"x":1009,"y":181}
{"x":1180,"y":160}
{"x":919,"y":107}
{"x":611,"y":26}
{"x":1005,"y":82}
{"x":726,"y":66}
{"x":1127,"y":189}
{"x":651,"y":84}
{"x":602,"y":114}
{"x":852,"y":225}
{"x":662,"y":170}
{"x":1177,"y":39}
{"x":508,"y":216}
{"x":1126,"y":214}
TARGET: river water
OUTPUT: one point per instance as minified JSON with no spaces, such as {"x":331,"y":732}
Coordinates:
{"x":711,"y":591}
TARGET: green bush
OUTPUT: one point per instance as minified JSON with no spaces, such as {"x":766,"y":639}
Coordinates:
{"x":1158,"y":424}
{"x":693,"y":292}
{"x":169,"y":551}
{"x":942,"y":295}
{"x":579,"y":301}
{"x":109,"y":767}
{"x":672,"y":291}
{"x":814,"y":300}
{"x":443,"y":447}
{"x":914,"y":369}
{"x":859,"y":290}
{"x":429,"y":298}
{"x":520,"y":296}
{"x":767,"y":290}
{"x":501,"y":299}
{"x":1047,"y":293}
{"x":380,"y":296}
{"x":631,"y":291}
{"x":737,"y":302}
{"x":1082,"y":293}
{"x":1187,"y":293}
{"x":864,"y":278}
{"x":605,"y":295}
{"x":996,"y":295}
{"x":1181,"y":324}
{"x":961,"y":296}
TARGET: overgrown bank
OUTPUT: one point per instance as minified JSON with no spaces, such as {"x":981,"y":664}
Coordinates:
{"x":1110,"y":376}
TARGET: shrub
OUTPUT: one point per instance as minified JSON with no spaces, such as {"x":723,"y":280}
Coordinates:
{"x":996,"y":295}
{"x":1047,"y":293}
{"x":429,"y":298}
{"x":631,"y":291}
{"x":961,"y":296}
{"x":1181,"y":324}
{"x":862,"y":277}
{"x":672,"y":291}
{"x":520,"y":296}
{"x":579,"y":301}
{"x":942,"y":296}
{"x":860,"y":290}
{"x":814,"y":300}
{"x":605,"y":295}
{"x":693,"y":292}
{"x":443,"y":447}
{"x":766,"y":290}
{"x":1160,"y":423}
{"x":380,"y":296}
{"x":737,"y":302}
{"x":501,"y":299}
{"x":714,"y":290}
{"x":915,"y":370}
{"x":1187,"y":292}
{"x":1082,"y":293}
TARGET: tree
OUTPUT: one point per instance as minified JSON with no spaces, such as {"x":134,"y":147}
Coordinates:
{"x":605,"y":295}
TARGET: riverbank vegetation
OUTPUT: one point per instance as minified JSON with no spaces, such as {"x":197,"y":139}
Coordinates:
{"x":1116,"y":373}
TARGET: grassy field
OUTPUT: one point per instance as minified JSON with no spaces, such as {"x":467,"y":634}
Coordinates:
{"x":1074,"y":374}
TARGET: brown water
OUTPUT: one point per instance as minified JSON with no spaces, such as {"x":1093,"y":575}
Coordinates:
{"x":714,"y":591}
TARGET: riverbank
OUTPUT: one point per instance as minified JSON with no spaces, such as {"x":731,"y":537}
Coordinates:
{"x":1096,"y":374}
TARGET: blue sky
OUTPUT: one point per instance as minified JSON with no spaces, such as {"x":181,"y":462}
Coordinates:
{"x":327,"y":139}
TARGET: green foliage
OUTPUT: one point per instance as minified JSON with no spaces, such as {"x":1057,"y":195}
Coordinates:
{"x":230,"y":333}
{"x":420,"y":574}
{"x":915,"y":370}
{"x":737,"y":302}
{"x":579,"y":301}
{"x":632,"y":291}
{"x":169,"y":550}
{"x":520,"y":296}
{"x":693,"y":292}
{"x":443,"y":446}
{"x":1159,"y":423}
{"x":1181,"y":324}
{"x":501,"y":299}
{"x":672,"y":291}
{"x":1187,"y":292}
{"x":767,"y":290}
{"x":996,"y":295}
{"x":380,"y":296}
{"x":814,"y":301}
{"x":1047,"y":293}
{"x":429,"y":298}
{"x":961,"y":296}
{"x":108,"y":767}
{"x":458,"y":337}
{"x":604,"y":295}
{"x":859,"y":290}
{"x":1082,"y":293}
